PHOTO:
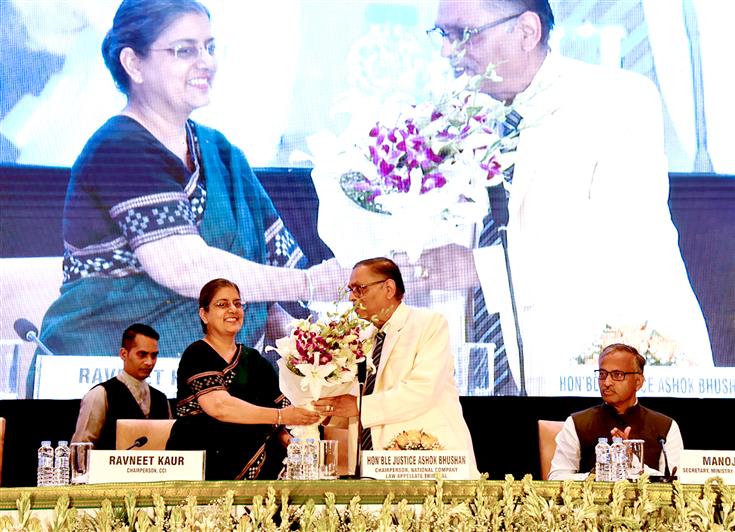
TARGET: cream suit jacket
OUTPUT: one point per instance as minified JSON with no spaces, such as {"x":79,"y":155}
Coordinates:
{"x":591,"y":241}
{"x":414,"y":387}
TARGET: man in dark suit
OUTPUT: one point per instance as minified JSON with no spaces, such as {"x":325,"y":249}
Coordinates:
{"x":620,"y":377}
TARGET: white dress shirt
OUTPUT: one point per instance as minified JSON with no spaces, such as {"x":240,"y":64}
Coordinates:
{"x":93,"y":410}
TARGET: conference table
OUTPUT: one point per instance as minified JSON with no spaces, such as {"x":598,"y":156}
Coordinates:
{"x":369,"y":504}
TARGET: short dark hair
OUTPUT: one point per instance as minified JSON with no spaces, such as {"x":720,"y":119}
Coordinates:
{"x":386,"y":267}
{"x":128,"y":336}
{"x":540,"y":7}
{"x":640,"y":360}
{"x":206,"y":294}
{"x":137,"y":25}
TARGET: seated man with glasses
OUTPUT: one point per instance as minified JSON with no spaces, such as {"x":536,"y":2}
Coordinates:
{"x":620,"y":377}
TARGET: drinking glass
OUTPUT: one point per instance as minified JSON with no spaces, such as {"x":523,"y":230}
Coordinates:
{"x":79,"y":461}
{"x":474,"y":372}
{"x":328,"y":459}
{"x":9,"y":365}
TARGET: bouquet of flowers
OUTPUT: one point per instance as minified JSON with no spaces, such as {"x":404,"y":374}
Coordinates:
{"x":319,"y":359}
{"x":655,"y":347}
{"x":414,"y":178}
{"x":414,"y":440}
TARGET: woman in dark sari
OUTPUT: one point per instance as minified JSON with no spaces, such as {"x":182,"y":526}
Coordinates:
{"x":228,"y":401}
{"x":157,"y":204}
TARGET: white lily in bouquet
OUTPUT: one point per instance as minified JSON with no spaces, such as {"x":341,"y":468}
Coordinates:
{"x":416,"y":179}
{"x":319,"y":359}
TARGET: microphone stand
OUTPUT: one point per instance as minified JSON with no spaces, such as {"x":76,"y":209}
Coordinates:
{"x":668,"y":476}
{"x":498,"y":199}
{"x":519,"y":340}
{"x":358,"y":450}
{"x":358,"y":447}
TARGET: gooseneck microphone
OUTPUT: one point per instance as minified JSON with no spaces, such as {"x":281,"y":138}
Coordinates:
{"x":499,"y":208}
{"x":362,"y":371}
{"x":29,"y":332}
{"x":667,"y":473}
{"x":361,"y":378}
{"x":140,"y":442}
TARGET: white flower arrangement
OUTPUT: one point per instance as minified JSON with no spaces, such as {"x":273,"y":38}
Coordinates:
{"x":657,"y":349}
{"x":417,"y":178}
{"x":319,"y":359}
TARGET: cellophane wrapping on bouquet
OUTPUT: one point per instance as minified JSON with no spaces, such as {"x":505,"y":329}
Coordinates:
{"x":413,"y":180}
{"x":319,"y":359}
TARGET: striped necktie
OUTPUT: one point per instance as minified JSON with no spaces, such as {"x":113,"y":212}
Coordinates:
{"x":487,"y":326}
{"x":366,"y":438}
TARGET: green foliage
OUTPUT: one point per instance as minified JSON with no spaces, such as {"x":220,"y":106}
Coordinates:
{"x":512,"y":506}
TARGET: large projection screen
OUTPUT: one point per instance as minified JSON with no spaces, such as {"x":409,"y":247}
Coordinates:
{"x":291,"y":71}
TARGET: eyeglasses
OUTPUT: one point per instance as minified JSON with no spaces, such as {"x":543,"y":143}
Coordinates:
{"x":360,"y":289}
{"x":224,"y":305}
{"x":189,"y":52}
{"x":463,"y":35}
{"x":615,"y":374}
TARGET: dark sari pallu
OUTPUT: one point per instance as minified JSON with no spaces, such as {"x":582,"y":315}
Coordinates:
{"x":234,"y":451}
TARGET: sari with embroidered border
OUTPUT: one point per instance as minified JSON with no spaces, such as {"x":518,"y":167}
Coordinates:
{"x":127,"y":189}
{"x":234,"y":451}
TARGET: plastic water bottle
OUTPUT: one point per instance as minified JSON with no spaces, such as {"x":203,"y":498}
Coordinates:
{"x":61,"y":463}
{"x":602,"y":460}
{"x":617,"y":460}
{"x":310,"y":458}
{"x":45,"y":470}
{"x":294,"y":464}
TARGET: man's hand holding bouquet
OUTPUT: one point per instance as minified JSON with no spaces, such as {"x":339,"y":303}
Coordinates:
{"x":319,"y":359}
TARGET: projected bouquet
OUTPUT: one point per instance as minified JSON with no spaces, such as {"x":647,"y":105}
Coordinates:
{"x":319,"y":359}
{"x":417,"y":178}
{"x":657,"y":349}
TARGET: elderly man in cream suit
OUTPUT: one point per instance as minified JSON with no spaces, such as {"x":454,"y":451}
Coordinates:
{"x":414,"y":386}
{"x":590,"y":238}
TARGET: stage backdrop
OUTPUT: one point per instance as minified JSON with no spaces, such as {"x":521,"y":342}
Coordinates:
{"x":31,"y":206}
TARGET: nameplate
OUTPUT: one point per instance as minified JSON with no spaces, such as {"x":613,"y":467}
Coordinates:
{"x":71,"y":376}
{"x":415,"y":465}
{"x":696,"y":466}
{"x":145,"y":466}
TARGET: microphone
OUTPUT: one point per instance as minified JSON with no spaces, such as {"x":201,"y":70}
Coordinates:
{"x":28,"y":332}
{"x":667,"y":475}
{"x":499,"y":205}
{"x":140,"y":442}
{"x":362,"y":371}
{"x":498,"y":197}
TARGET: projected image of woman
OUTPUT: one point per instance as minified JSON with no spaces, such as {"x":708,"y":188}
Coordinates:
{"x":157,"y":204}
